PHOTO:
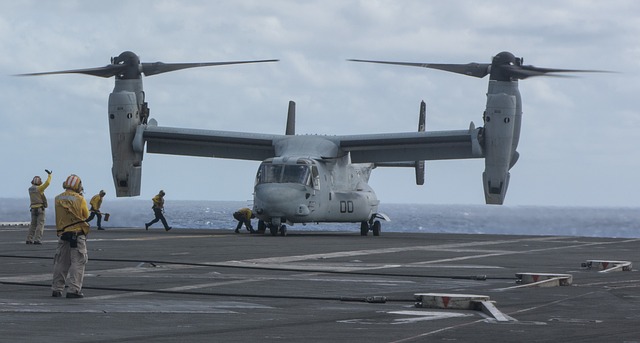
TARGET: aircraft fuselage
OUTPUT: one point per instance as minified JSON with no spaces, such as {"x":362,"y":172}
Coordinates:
{"x":305,"y":190}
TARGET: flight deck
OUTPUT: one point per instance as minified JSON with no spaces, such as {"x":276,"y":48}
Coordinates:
{"x":200,"y":285}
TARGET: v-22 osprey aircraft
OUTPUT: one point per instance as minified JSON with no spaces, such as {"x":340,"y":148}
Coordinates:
{"x":316,"y":178}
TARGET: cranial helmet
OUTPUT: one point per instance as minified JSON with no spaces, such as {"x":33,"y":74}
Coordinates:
{"x":161,"y":192}
{"x":102,"y":193}
{"x":36,"y":181}
{"x":72,"y":182}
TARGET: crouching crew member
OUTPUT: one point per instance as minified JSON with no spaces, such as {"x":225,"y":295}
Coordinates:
{"x":244,"y":216}
{"x":72,"y":229}
{"x":95,"y":204}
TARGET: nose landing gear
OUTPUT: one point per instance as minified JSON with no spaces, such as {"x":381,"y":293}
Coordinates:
{"x":274,"y":227}
{"x":376,"y":227}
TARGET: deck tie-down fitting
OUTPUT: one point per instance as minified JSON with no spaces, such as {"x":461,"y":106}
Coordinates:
{"x":605,"y":266}
{"x":461,"y":302}
{"x":544,"y":279}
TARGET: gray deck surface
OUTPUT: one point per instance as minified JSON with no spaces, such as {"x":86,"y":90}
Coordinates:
{"x":216,"y":286}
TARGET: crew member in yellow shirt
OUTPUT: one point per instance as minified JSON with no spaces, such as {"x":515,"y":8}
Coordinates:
{"x":244,"y":216}
{"x":38,"y":204}
{"x":72,"y":229}
{"x":95,"y":204}
{"x":158,"y":211}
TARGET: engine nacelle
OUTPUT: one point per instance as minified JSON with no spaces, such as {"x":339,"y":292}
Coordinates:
{"x":500,"y":118}
{"x":127,"y":164}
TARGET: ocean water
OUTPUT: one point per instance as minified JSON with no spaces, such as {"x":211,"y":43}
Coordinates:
{"x":471,"y":219}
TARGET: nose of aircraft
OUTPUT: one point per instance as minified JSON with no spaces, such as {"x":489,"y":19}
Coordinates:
{"x":278,"y":200}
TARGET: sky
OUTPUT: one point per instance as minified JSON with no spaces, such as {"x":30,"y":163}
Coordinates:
{"x":579,"y":139}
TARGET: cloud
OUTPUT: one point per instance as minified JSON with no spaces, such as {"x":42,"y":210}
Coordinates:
{"x":577,"y":132}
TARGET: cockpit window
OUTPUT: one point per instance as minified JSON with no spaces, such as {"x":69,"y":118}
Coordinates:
{"x":269,"y":173}
{"x":295,"y":174}
{"x":284,"y":173}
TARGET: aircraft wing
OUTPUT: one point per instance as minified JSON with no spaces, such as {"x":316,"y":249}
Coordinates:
{"x":206,"y":143}
{"x":367,"y":148}
{"x":413,"y":146}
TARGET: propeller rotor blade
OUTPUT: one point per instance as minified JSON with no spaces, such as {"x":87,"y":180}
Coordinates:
{"x":128,"y":67}
{"x":106,"y":71}
{"x":523,"y":72}
{"x":553,"y":70}
{"x":158,"y":67}
{"x":518,"y":72}
{"x":479,"y":70}
{"x":504,"y":67}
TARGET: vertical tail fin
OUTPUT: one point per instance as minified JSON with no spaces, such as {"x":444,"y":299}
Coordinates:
{"x":422,"y":126}
{"x":422,"y":121}
{"x":291,"y":119}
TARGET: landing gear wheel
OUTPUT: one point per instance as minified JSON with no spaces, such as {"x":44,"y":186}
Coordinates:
{"x":262,"y":227}
{"x":273,"y":229}
{"x":364,"y":228}
{"x":376,"y":228}
{"x":283,"y":230}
